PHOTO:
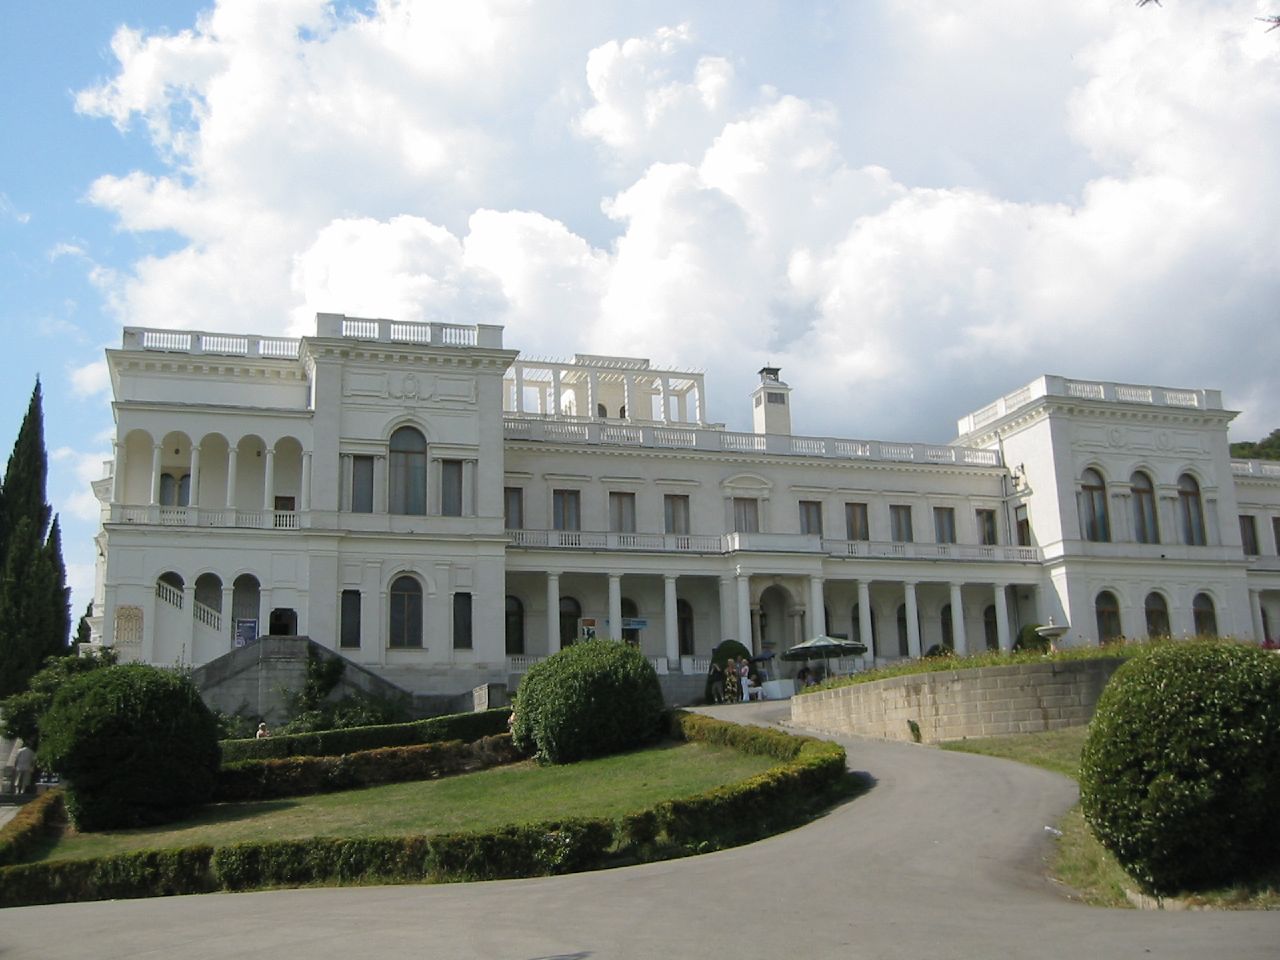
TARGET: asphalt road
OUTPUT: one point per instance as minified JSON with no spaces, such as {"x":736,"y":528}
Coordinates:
{"x":942,"y":858}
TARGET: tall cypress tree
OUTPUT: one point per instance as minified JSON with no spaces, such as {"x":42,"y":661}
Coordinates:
{"x":34,"y":612}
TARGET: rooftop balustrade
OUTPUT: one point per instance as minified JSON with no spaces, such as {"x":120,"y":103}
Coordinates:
{"x":1256,"y":468}
{"x":1052,"y":386}
{"x":652,"y":434}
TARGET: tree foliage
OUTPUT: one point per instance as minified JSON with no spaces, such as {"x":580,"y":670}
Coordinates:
{"x":20,"y":713}
{"x":1267,"y":448}
{"x":35,"y":614}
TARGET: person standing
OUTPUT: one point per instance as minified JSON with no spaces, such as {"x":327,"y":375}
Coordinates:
{"x":24,"y":768}
{"x":744,"y":678}
{"x":717,"y":682}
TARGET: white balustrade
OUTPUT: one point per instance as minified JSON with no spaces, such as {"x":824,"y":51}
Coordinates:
{"x":205,"y":614}
{"x":169,"y":594}
{"x":521,"y":664}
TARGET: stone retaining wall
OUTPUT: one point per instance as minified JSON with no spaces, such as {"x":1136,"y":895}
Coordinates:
{"x":953,"y":704}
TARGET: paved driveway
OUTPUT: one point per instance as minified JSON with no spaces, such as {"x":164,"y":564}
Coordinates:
{"x":941,"y":859}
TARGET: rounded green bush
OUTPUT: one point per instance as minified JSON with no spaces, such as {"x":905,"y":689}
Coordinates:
{"x":590,"y":699}
{"x":135,"y":743}
{"x":1181,"y":767}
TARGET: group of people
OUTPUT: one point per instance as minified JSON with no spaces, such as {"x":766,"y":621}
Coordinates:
{"x":733,"y":682}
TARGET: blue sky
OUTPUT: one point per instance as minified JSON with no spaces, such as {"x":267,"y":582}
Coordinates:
{"x":910,"y":209}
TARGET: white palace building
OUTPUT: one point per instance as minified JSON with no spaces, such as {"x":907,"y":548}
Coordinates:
{"x":439,"y":510}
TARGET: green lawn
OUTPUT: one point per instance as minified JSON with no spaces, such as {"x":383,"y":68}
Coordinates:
{"x":1082,"y":863}
{"x":607,"y":787}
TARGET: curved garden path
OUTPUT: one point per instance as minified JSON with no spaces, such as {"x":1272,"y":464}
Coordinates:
{"x":942,"y":858}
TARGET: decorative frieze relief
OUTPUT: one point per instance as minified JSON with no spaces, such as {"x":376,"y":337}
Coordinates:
{"x":410,"y":388}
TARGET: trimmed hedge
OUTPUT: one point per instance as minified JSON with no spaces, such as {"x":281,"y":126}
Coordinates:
{"x":1181,"y":768}
{"x":30,"y":825}
{"x":329,"y":743}
{"x":588,"y":700}
{"x":806,"y":777}
{"x":299,"y":776}
{"x":135,"y":743}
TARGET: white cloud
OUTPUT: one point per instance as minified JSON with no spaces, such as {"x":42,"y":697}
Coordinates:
{"x":74,"y":471}
{"x":90,"y":379}
{"x":9,"y":212}
{"x":967,"y":201}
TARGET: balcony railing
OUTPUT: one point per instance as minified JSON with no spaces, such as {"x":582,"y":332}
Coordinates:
{"x":767,"y":543}
{"x":1256,"y":468}
{"x":586,"y":430}
{"x":205,"y":517}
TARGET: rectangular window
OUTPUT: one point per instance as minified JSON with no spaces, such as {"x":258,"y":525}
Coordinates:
{"x":451,"y":488}
{"x":350,"y":619}
{"x":1022,"y":524}
{"x":856,"y":524}
{"x":900,"y":523}
{"x":746,"y":515}
{"x":811,"y":517}
{"x":1275,"y":532}
{"x":779,"y":398}
{"x":462,"y":621}
{"x":987,"y":528}
{"x":944,"y":524}
{"x":513,"y":507}
{"x":1249,"y":535}
{"x":566,"y":511}
{"x":622,"y":512}
{"x":362,"y":484}
{"x":675,"y":507}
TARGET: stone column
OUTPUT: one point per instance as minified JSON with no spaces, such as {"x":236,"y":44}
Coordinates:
{"x":156,"y":450}
{"x":519,"y":388}
{"x":193,"y":497}
{"x":186,"y":654}
{"x":913,"y":619}
{"x":381,"y":487}
{"x":666,"y":399}
{"x":553,"y":613}
{"x":670,"y":620}
{"x":629,"y":396}
{"x":615,"y":606}
{"x":228,"y":617}
{"x":1002,"y":617}
{"x":269,"y":479}
{"x":555,"y":391}
{"x":818,"y":618}
{"x":233,"y":456}
{"x":728,"y":607}
{"x":864,"y":617}
{"x":593,"y":394}
{"x":958,"y":637}
{"x":305,"y":504}
{"x":744,"y":612}
{"x":264,"y":611}
{"x":117,"y":472}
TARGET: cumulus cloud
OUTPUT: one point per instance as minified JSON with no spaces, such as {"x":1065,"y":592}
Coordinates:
{"x":90,"y":379}
{"x":81,"y":468}
{"x":972,"y":200}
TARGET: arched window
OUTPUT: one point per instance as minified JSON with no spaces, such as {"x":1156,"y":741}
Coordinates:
{"x":948,"y":629}
{"x":904,"y":646}
{"x":570,"y":614}
{"x":1157,"y":615}
{"x":407,"y":473}
{"x":857,"y":627}
{"x":1191,"y":511}
{"x":515,"y":626}
{"x":630,"y":635}
{"x":1205,"y":619}
{"x":1107,"y":609}
{"x":684,"y":627}
{"x":406,"y":612}
{"x":601,"y":411}
{"x":1093,"y":507}
{"x":175,"y":491}
{"x":991,"y":627}
{"x":1146,"y":529}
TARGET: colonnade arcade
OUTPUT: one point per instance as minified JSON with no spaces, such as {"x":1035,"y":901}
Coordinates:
{"x":676,"y":617}
{"x":216,"y":476}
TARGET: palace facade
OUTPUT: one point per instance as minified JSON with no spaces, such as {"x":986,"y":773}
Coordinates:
{"x":445,"y":512}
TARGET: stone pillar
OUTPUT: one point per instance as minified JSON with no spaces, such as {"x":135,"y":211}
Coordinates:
{"x":615,"y":606}
{"x":864,"y":617}
{"x":193,"y":496}
{"x":233,"y":456}
{"x":346,"y":483}
{"x":305,"y":500}
{"x":728,"y":607}
{"x":228,"y":617}
{"x":593,"y":394}
{"x":156,"y":450}
{"x":553,"y":613}
{"x":670,"y":620}
{"x":959,"y":639}
{"x":817,"y":604}
{"x":519,"y":388}
{"x":117,"y":472}
{"x":555,"y":391}
{"x":186,"y":654}
{"x":666,"y":399}
{"x":381,"y":487}
{"x":744,"y":612}
{"x":269,"y":479}
{"x":264,"y":611}
{"x":1002,"y":617}
{"x":629,"y":395}
{"x":913,"y":619}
